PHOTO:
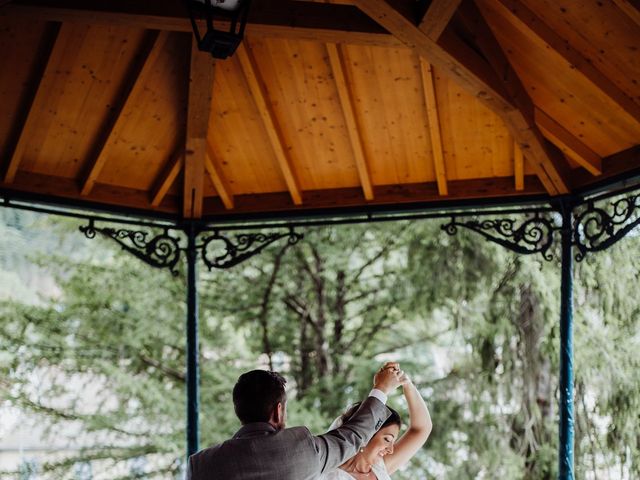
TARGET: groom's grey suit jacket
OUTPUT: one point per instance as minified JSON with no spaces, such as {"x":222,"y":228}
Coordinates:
{"x":259,"y":452}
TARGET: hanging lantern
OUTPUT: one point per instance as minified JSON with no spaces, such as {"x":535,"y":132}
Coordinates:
{"x":219,"y":43}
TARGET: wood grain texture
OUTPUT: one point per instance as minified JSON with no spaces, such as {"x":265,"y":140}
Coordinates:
{"x":338,"y":67}
{"x":167,"y":177}
{"x":437,"y":17}
{"x":434,"y":126}
{"x":518,"y":167}
{"x":200,"y":95}
{"x":217,"y":177}
{"x":271,"y":124}
{"x":569,"y":144}
{"x":135,"y":79}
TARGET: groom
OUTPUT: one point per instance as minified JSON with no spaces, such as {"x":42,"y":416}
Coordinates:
{"x":264,"y":450}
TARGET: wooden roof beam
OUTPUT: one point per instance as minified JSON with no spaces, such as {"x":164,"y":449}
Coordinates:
{"x":274,"y":132}
{"x":437,"y":17}
{"x":529,"y":21}
{"x":167,"y":177}
{"x":199,"y":110}
{"x":568,"y":143}
{"x":338,"y":67}
{"x":137,"y":77}
{"x":428,"y":84}
{"x":323,"y":22}
{"x":217,"y":178}
{"x":545,"y":159}
{"x":472,"y":72}
{"x":59,"y":48}
{"x":631,"y":8}
{"x":518,"y":167}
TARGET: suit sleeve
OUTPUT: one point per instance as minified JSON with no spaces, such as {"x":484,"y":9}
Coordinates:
{"x":337,"y":446}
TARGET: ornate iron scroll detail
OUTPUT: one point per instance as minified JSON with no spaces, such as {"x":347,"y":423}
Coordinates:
{"x":534,"y":235}
{"x":597,"y":228}
{"x":231,"y":252}
{"x":159,"y":251}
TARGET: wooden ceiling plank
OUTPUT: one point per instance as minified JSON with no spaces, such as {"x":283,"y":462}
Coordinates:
{"x":267,"y":18}
{"x":437,"y":17}
{"x":217,"y":178}
{"x":546,"y":161}
{"x":167,"y":177}
{"x":338,"y":66}
{"x":530,"y":21}
{"x":199,"y":109}
{"x":428,"y":83}
{"x":518,"y":167}
{"x":39,"y":100}
{"x":140,"y":75}
{"x":270,"y":121}
{"x":469,"y":70}
{"x":568,"y":143}
{"x":631,"y":8}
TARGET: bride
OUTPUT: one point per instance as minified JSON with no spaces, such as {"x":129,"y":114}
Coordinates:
{"x":385,"y":453}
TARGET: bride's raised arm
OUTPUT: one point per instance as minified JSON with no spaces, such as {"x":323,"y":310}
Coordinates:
{"x":419,"y":429}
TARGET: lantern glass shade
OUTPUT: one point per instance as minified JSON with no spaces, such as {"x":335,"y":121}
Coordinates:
{"x":220,"y":43}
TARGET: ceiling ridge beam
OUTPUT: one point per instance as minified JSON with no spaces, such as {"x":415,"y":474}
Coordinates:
{"x":431,"y":103}
{"x":568,"y":143}
{"x":217,"y":178}
{"x":437,"y":17}
{"x":139,"y":73}
{"x":478,"y":77}
{"x":339,"y":68}
{"x":61,"y":36}
{"x":269,"y":120}
{"x":528,"y":20}
{"x":167,"y":177}
{"x":518,"y":167}
{"x":201,"y":75}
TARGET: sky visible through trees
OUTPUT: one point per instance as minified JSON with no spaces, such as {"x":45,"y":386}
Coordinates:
{"x":92,"y":348}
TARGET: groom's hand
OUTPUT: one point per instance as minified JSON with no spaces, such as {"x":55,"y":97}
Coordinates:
{"x":388,"y":378}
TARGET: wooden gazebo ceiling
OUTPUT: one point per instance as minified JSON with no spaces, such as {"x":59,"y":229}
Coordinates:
{"x":326,"y":105}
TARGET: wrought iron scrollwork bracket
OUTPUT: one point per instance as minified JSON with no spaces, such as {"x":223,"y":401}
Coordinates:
{"x":159,"y":251}
{"x":164,"y":250}
{"x":533,"y":235}
{"x":598,"y":228}
{"x":239,"y":248}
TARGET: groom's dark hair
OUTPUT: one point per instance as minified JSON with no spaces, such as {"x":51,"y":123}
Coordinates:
{"x":256,"y":394}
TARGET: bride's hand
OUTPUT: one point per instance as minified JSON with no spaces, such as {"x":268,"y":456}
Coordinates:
{"x":404,"y":379}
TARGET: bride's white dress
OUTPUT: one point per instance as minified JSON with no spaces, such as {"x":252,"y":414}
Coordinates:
{"x":379,"y":470}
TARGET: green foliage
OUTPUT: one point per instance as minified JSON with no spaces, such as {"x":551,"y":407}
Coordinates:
{"x":476,"y":327}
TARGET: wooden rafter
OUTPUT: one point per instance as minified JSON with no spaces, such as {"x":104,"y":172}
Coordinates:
{"x":338,"y":67}
{"x":217,"y":178}
{"x":621,"y":166}
{"x":61,"y":45}
{"x":431,"y":102}
{"x":568,"y":143}
{"x":631,"y":8}
{"x":321,"y":22}
{"x":199,"y":109}
{"x":518,"y":167}
{"x":473,"y":73}
{"x":138,"y":77}
{"x":529,"y":21}
{"x":167,"y":177}
{"x":437,"y":17}
{"x":272,"y":127}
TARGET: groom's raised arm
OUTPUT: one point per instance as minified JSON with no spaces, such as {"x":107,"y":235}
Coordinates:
{"x":337,"y":446}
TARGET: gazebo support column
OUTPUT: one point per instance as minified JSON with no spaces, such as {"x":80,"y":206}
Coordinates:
{"x":566,"y":430}
{"x":193,"y":373}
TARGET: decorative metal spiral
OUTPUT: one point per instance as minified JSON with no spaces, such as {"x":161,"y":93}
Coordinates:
{"x":598,"y":228}
{"x":160,"y":251}
{"x":232,"y":251}
{"x":534,"y":235}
